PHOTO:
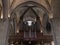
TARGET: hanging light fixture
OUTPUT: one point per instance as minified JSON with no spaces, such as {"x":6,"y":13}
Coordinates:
{"x":29,"y":23}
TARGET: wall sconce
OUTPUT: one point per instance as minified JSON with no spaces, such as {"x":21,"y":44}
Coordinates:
{"x":17,"y":31}
{"x":29,"y":42}
{"x":1,"y":13}
{"x":52,"y":43}
{"x":41,"y":31}
{"x":8,"y":15}
{"x":50,"y":15}
{"x":12,"y":44}
{"x":1,"y":16}
{"x":16,"y":43}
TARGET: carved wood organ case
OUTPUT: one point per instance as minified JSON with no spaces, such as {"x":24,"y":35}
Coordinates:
{"x":30,"y":25}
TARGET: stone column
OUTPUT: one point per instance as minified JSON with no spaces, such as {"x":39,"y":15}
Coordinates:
{"x":5,"y":24}
{"x":53,"y":32}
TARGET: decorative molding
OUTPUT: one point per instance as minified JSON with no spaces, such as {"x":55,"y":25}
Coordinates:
{"x":11,"y":3}
{"x":48,"y":2}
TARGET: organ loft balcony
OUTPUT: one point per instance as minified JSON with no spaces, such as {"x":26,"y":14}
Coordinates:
{"x":39,"y":38}
{"x":30,"y":32}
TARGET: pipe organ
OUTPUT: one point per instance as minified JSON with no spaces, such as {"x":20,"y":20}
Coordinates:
{"x":30,"y":32}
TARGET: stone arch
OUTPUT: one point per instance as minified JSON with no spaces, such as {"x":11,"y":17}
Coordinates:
{"x":46,"y":23}
{"x":29,"y":2}
{"x":24,"y":4}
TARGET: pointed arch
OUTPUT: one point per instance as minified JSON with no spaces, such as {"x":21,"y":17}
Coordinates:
{"x":30,"y":2}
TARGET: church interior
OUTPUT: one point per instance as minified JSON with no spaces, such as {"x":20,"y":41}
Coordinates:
{"x":29,"y":22}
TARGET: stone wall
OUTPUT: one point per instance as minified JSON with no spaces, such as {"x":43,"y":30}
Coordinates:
{"x":56,"y":28}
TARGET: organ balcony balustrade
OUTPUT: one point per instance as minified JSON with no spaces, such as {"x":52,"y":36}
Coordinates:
{"x":39,"y":37}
